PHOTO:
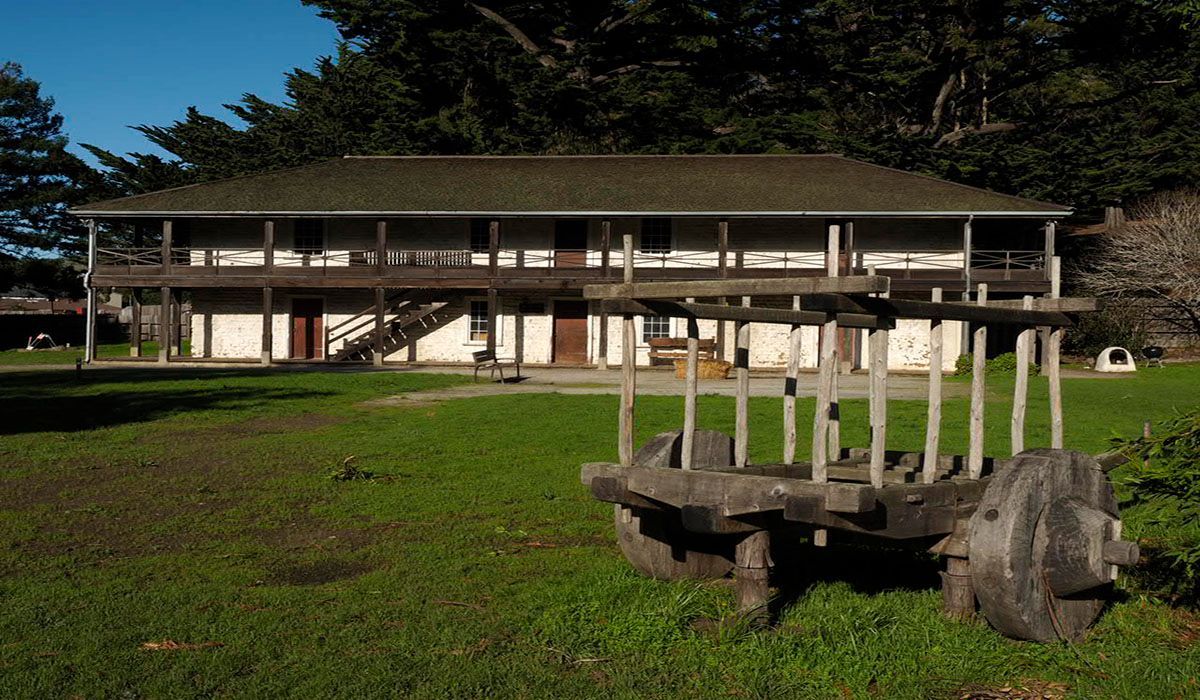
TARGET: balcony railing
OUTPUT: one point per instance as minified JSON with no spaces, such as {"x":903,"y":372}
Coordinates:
{"x":916,"y":264}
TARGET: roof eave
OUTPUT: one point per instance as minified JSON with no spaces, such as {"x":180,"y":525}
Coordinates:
{"x":109,"y":214}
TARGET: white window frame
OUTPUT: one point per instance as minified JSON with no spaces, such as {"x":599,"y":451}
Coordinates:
{"x":643,"y":341}
{"x":471,"y":301}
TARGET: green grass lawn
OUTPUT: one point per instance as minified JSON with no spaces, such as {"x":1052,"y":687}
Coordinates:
{"x":67,"y":356}
{"x":193,"y":507}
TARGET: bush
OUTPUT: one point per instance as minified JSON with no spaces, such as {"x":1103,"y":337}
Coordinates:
{"x":1121,"y":324}
{"x":1165,"y":482}
{"x":1000,"y":364}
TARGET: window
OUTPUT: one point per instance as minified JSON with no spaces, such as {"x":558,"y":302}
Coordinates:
{"x":656,"y":236}
{"x":481,"y":235}
{"x":309,"y":237}
{"x":655,"y":327}
{"x":479,"y":321}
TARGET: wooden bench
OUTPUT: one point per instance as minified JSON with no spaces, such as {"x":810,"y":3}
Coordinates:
{"x":671,"y":349}
{"x":486,"y":359}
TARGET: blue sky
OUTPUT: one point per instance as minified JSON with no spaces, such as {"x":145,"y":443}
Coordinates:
{"x":112,"y":64}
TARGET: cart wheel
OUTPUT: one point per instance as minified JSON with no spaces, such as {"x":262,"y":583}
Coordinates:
{"x":1045,"y":543}
{"x":654,"y":541}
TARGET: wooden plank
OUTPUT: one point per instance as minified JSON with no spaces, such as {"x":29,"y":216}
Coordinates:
{"x":1063,"y":305}
{"x":689,"y":392}
{"x":933,"y":420}
{"x":1053,"y":370}
{"x":741,"y":362}
{"x":790,"y":388}
{"x":268,"y":307}
{"x":1024,"y":353}
{"x":826,"y":367}
{"x":377,"y":350}
{"x":910,"y":308}
{"x":628,"y":361}
{"x":978,"y":389}
{"x":789,"y":286}
{"x":757,"y":314}
{"x":733,"y":492}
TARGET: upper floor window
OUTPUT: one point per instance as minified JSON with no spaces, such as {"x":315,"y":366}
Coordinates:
{"x":481,"y":235}
{"x":308,"y":237}
{"x":656,"y":236}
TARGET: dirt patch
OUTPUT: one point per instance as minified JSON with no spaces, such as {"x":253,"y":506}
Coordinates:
{"x":316,"y":573}
{"x":1025,"y":690}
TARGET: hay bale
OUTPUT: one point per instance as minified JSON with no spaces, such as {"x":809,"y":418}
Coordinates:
{"x":708,"y":369}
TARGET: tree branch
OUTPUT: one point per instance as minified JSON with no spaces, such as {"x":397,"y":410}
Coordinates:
{"x":519,"y":36}
{"x":960,"y":134}
{"x":633,"y":67}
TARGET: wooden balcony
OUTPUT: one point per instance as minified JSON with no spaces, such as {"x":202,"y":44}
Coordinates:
{"x":1022,"y":271}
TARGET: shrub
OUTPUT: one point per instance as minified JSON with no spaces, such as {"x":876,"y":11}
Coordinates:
{"x":1000,"y":364}
{"x":1165,"y":481}
{"x":1121,"y":323}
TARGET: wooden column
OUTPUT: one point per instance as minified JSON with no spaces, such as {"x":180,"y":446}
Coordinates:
{"x":978,"y":389}
{"x":848,"y":235}
{"x":790,"y":388}
{"x":1053,"y":371}
{"x":167,"y":242}
{"x":722,"y":272}
{"x":1024,"y":352}
{"x":878,"y":369}
{"x":377,"y":350}
{"x":628,"y":368}
{"x":965,"y":336}
{"x":493,"y":302}
{"x":493,"y":248}
{"x":268,"y":324}
{"x":605,"y":265}
{"x":826,"y":370}
{"x":519,"y":335}
{"x":1050,"y":230}
{"x":741,"y":439}
{"x":933,"y":421}
{"x":177,"y":323}
{"x":958,"y":593}
{"x":164,"y":321}
{"x":381,"y":238}
{"x":89,"y":343}
{"x":268,"y":246}
{"x":135,"y":322}
{"x":689,"y":391}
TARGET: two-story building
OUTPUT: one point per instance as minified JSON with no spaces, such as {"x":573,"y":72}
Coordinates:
{"x":427,"y":259}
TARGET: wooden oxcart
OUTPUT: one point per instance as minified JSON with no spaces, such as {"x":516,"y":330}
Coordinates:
{"x":1034,"y":537}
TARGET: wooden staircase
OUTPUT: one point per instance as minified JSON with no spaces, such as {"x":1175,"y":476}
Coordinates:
{"x":403,"y":310}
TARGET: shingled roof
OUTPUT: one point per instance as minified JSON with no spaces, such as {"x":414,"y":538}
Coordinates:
{"x":747,"y":185}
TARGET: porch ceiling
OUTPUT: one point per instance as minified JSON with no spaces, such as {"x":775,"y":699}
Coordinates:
{"x":500,"y":186}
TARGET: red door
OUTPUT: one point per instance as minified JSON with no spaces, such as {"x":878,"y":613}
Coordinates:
{"x":570,"y":332}
{"x":308,"y":333}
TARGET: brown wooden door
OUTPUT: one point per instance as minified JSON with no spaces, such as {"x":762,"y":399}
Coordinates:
{"x":570,"y":332}
{"x":570,"y":243}
{"x":308,"y":332}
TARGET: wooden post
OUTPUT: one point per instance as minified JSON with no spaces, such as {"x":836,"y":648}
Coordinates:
{"x":878,"y":348}
{"x":826,"y":370}
{"x":958,"y":593}
{"x":689,"y":392}
{"x":741,"y":439}
{"x":978,"y":388}
{"x":89,"y":343}
{"x":722,"y":272}
{"x":605,"y":251}
{"x":628,"y":369}
{"x":1053,"y":371}
{"x":167,"y":235}
{"x":1049,"y":253}
{"x":790,"y":388}
{"x":381,"y":237}
{"x":177,"y":323}
{"x":519,"y":335}
{"x":493,"y":250}
{"x":965,"y":338}
{"x":933,"y":421}
{"x":135,"y":322}
{"x":268,"y":246}
{"x":164,"y":320}
{"x":752,"y":562}
{"x":848,"y":267}
{"x":492,"y":311}
{"x":832,"y":264}
{"x":1021,"y":386}
{"x":268,"y":324}
{"x":377,"y":351}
